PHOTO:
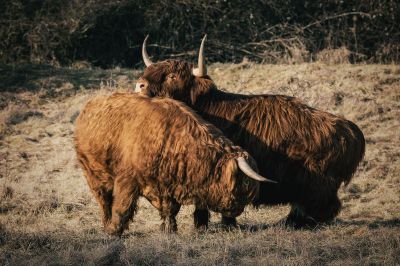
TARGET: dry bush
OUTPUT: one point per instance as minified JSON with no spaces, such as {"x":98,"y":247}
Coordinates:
{"x":109,"y":33}
{"x":39,"y":31}
{"x":388,"y":52}
{"x":334,"y":56}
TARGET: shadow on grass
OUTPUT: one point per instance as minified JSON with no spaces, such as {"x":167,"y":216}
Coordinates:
{"x":69,"y":247}
{"x":32,"y":77}
{"x":50,"y":248}
{"x":372,"y":224}
{"x":391,"y":223}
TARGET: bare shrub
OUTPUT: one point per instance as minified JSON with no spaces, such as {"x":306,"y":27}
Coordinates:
{"x":334,"y":56}
{"x":109,"y":33}
{"x":388,"y":52}
{"x":297,"y":54}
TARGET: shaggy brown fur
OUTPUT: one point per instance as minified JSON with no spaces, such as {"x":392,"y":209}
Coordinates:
{"x":130,"y":145}
{"x":308,"y":151}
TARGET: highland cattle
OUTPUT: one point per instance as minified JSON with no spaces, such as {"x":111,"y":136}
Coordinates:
{"x":130,"y":146}
{"x":308,"y":151}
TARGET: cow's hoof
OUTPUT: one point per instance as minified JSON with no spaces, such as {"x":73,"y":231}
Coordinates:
{"x":168,"y":228}
{"x":201,"y":228}
{"x":162,"y":227}
{"x":229,"y":222}
{"x":301,"y":222}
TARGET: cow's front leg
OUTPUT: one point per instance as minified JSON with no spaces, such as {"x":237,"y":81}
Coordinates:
{"x":229,"y":222}
{"x":201,"y":218}
{"x":169,"y":210}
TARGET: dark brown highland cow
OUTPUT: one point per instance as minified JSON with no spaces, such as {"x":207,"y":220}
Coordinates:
{"x":130,"y":145}
{"x":309,"y":152}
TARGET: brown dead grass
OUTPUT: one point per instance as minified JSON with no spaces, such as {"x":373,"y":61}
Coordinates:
{"x":48,"y":215}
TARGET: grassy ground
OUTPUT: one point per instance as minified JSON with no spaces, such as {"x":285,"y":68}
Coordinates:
{"x":48,"y":215}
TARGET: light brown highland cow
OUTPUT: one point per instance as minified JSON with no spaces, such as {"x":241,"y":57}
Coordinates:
{"x":131,"y":146}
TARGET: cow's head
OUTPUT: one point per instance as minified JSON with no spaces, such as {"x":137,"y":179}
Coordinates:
{"x":238,"y":185}
{"x":176,"y":79}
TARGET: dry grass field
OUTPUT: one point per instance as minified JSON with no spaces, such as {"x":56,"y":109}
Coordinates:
{"x":49,"y":216}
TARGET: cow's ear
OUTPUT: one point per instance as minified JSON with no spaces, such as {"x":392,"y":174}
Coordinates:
{"x":229,"y":174}
{"x":198,"y":88}
{"x":193,"y":96}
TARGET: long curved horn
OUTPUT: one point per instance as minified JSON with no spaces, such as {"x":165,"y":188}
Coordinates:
{"x":201,"y":70}
{"x":246,"y":168}
{"x":145,"y":56}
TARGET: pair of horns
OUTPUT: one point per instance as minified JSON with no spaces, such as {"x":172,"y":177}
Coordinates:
{"x":200,"y":71}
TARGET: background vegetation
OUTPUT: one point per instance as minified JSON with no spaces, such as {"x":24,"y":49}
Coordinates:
{"x":109,"y":33}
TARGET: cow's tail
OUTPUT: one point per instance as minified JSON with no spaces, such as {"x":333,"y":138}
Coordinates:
{"x":353,"y":148}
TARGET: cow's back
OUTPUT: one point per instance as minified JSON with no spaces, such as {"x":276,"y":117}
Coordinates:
{"x":120,"y":129}
{"x":150,"y":137}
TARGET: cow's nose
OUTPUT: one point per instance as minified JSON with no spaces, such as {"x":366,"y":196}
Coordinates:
{"x":141,"y":85}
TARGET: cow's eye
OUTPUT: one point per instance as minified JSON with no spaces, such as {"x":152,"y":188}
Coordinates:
{"x":171,"y":76}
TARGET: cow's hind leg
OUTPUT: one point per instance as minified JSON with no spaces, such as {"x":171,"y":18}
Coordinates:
{"x":104,"y":198}
{"x":169,"y":210}
{"x":201,"y":218}
{"x":326,"y":212}
{"x":125,"y":196}
{"x":101,"y":184}
{"x":315,"y":206}
{"x":298,"y":219}
{"x":229,"y":221}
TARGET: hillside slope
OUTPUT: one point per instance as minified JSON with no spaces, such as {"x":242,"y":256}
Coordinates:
{"x":49,"y":216}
